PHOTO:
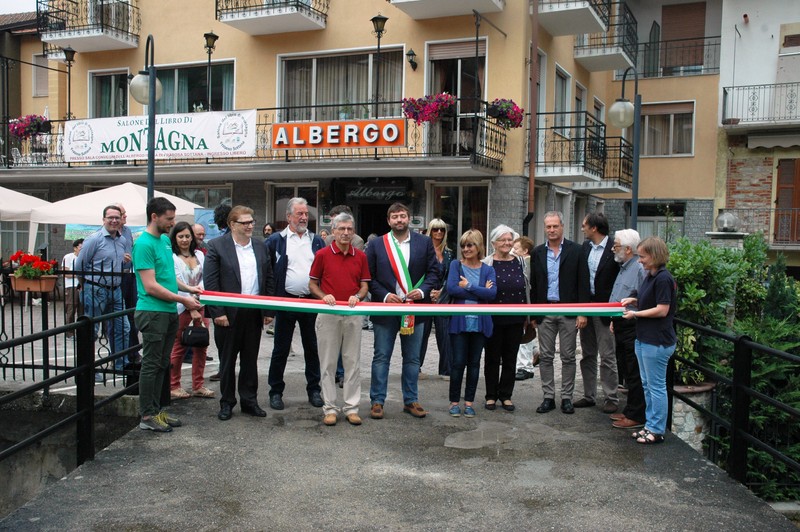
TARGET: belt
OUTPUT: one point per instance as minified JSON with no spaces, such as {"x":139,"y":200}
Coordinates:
{"x":101,"y":285}
{"x":295,"y":297}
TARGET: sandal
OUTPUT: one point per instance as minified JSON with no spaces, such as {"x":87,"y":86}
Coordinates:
{"x":178,"y":393}
{"x":491,"y":404}
{"x":203,"y":392}
{"x":507,"y":405}
{"x":639,"y":433}
{"x":650,"y":438}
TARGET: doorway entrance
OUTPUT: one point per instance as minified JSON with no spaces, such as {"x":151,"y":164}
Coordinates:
{"x":371,"y":218}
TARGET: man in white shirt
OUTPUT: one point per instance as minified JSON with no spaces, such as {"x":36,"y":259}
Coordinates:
{"x":291,"y":253}
{"x":72,"y":300}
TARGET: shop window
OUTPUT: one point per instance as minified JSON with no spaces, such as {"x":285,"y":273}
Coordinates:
{"x":462,"y":207}
{"x":279,"y":198}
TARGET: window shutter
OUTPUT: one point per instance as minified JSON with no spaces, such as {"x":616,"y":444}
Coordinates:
{"x":787,"y":228}
{"x":683,"y":21}
{"x":673,"y":108}
{"x":40,"y":76}
{"x":456,"y":50}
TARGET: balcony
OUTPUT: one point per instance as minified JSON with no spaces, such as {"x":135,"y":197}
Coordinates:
{"x":455,"y":146}
{"x":781,"y":227}
{"x":613,"y":49}
{"x":617,"y":172}
{"x":571,"y":148}
{"x":89,"y":25}
{"x":677,"y":58}
{"x":267,"y":17}
{"x":422,"y":9}
{"x":573,"y":17}
{"x":760,"y":107}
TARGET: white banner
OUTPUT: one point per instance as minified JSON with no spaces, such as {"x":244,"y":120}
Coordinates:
{"x":178,"y":136}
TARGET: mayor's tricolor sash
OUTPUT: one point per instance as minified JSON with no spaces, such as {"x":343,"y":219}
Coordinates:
{"x":317,"y":306}
{"x":403,"y":276}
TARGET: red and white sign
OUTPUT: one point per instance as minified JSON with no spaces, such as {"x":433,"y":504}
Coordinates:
{"x":339,"y":134}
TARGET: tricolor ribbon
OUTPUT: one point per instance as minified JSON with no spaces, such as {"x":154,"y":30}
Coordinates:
{"x":316,"y":306}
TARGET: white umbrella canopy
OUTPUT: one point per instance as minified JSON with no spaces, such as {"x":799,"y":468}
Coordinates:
{"x":88,"y":208}
{"x":16,"y":206}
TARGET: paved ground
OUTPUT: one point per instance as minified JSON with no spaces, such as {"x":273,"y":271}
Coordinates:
{"x":499,"y":470}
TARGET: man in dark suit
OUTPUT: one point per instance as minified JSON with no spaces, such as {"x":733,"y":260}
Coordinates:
{"x":396,"y":251}
{"x":559,"y":274}
{"x":596,"y":337}
{"x":234,"y":263}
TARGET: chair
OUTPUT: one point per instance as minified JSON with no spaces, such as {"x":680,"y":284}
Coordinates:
{"x":19,"y":159}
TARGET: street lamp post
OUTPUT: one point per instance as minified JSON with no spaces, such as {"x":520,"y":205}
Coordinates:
{"x":69,"y":58}
{"x":378,"y":24}
{"x":621,"y":115}
{"x":211,"y":40}
{"x":146,"y":89}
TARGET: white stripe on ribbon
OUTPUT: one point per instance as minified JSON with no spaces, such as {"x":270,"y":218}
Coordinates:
{"x":317,"y":306}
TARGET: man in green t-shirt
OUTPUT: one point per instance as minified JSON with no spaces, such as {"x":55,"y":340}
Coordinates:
{"x":156,"y":310}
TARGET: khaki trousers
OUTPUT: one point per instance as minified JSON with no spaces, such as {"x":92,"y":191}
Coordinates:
{"x":335,"y":334}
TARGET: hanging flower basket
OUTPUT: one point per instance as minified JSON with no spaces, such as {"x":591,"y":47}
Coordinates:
{"x":45,"y":283}
{"x":507,"y":113}
{"x":431,"y":108}
{"x":27,"y":126}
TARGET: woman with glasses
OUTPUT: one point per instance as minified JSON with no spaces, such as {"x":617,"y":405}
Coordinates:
{"x":468,"y":282}
{"x":503,"y":346}
{"x":437,"y":230}
{"x":188,"y":269}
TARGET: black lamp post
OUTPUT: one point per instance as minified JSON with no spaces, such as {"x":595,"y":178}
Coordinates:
{"x":69,"y":58}
{"x":378,"y":24}
{"x":622,"y":114}
{"x":146,"y":89}
{"x":211,"y":40}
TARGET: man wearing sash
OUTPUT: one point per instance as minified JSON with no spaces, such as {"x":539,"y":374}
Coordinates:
{"x":403,"y":269}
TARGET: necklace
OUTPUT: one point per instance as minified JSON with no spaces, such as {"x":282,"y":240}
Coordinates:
{"x":186,"y":256}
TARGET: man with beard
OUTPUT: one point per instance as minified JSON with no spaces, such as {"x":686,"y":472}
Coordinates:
{"x":157,"y":311}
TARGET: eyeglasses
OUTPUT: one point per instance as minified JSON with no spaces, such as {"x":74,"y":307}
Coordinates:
{"x":113,"y":218}
{"x":438,"y":229}
{"x":248,"y":222}
{"x":467,"y":245}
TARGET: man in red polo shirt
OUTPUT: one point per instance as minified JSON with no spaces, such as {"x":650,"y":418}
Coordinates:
{"x":340,"y":273}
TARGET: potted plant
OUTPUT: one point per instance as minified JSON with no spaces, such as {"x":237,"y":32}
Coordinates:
{"x":508,"y":114}
{"x":28,"y":126}
{"x":32,"y":274}
{"x":431,"y":108}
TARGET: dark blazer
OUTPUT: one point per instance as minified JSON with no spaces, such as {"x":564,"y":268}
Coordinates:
{"x":423,"y":262}
{"x":221,"y":273}
{"x":573,"y":275}
{"x":276,"y":250}
{"x":607,"y":270}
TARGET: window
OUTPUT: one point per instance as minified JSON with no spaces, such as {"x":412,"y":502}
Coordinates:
{"x":280,"y":196}
{"x":343,"y":86}
{"x":662,"y":220}
{"x":109,"y":95}
{"x":462,"y":207}
{"x":561,"y":105}
{"x":40,"y":76}
{"x":667,"y":129}
{"x":787,"y":202}
{"x":186,"y":89}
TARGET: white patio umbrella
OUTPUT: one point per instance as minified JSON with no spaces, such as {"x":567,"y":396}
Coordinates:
{"x":16,"y":207}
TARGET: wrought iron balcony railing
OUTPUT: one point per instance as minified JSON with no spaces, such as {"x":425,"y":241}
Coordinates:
{"x":571,"y":139}
{"x":781,"y":227}
{"x":245,"y":7}
{"x":622,"y":28}
{"x":619,"y":161}
{"x":120,"y":16}
{"x":680,"y":57}
{"x":776,"y":102}
{"x":601,"y":7}
{"x":475,"y":138}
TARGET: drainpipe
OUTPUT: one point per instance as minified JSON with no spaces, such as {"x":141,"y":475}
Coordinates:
{"x":533,"y":100}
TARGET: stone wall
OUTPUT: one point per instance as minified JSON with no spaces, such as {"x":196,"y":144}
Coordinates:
{"x":508,"y":202}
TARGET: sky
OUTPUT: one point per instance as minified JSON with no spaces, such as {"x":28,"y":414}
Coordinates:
{"x":17,"y":6}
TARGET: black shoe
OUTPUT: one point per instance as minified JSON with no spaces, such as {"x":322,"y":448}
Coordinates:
{"x":214,"y":377}
{"x":208,"y":358}
{"x":567,"y":407}
{"x":225,"y":412}
{"x":546,"y":406}
{"x":584,"y":403}
{"x":254,"y":410}
{"x":276,"y":402}
{"x":316,"y":399}
{"x":340,"y":381}
{"x":523,"y":374}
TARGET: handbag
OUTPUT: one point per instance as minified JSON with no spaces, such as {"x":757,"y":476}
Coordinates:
{"x":528,"y":332}
{"x":195,"y":336}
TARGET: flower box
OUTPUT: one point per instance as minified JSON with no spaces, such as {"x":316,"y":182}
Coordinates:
{"x":45,"y":283}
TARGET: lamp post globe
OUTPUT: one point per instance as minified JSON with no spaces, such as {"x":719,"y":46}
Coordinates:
{"x":621,"y":113}
{"x":140,"y":88}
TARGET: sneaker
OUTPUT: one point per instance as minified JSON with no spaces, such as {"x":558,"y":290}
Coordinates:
{"x":469,"y":411}
{"x":154,"y":423}
{"x":172,"y":421}
{"x":455,"y":411}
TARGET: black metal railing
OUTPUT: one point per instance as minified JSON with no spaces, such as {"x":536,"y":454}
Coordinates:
{"x":114,"y":16}
{"x":477,"y":138}
{"x":776,"y":102}
{"x":676,"y":58}
{"x":571,"y":139}
{"x":601,"y":7}
{"x":622,"y":28}
{"x":619,"y":161}
{"x":261,"y":7}
{"x":780,"y":226}
{"x":737,"y":433}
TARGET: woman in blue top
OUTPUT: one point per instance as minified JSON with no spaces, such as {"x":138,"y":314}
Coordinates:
{"x":469,"y":281}
{"x":655,"y":335}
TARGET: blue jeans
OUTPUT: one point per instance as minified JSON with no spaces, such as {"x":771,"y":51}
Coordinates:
{"x":99,"y":300}
{"x":385,"y":335}
{"x":466,"y":352}
{"x":284,"y":330}
{"x":653,"y":361}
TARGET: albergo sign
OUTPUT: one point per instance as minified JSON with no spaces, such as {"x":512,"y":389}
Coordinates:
{"x":339,"y":134}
